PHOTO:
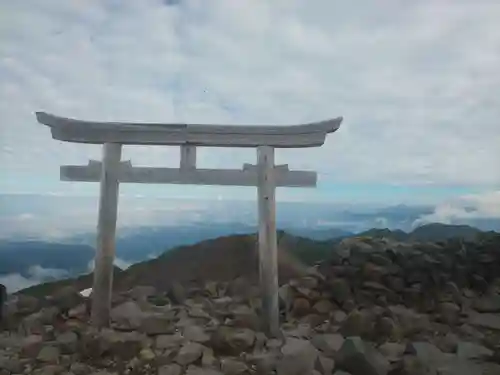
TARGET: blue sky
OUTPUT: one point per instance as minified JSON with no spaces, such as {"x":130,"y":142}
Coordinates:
{"x":417,"y":84}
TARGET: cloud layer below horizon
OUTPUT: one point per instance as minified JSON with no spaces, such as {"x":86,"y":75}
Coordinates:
{"x":417,"y":84}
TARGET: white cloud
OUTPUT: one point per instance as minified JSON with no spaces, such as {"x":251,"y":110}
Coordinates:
{"x":468,"y":207}
{"x":416,"y":83}
{"x":14,"y":282}
{"x":36,"y":275}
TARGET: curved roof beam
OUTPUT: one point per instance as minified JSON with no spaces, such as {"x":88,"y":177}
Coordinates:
{"x":79,"y":131}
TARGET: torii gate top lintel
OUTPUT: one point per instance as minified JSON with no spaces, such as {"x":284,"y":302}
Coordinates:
{"x":290,"y":136}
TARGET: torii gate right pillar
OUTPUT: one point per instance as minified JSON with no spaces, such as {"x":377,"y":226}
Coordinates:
{"x":268,"y":247}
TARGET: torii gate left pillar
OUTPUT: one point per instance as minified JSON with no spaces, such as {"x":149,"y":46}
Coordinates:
{"x":112,"y":171}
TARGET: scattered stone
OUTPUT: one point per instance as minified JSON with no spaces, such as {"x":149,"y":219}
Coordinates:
{"x":422,"y":309}
{"x":449,"y":313}
{"x":360,"y":358}
{"x":189,"y":353}
{"x":196,"y":334}
{"x":470,"y":350}
{"x":230,"y":366}
{"x":232,"y":341}
{"x":128,"y":315}
{"x":340,"y":290}
{"x":490,"y":321}
{"x":172,"y":369}
{"x":329,"y":343}
{"x":194,"y":370}
{"x":49,"y":354}
{"x":298,"y":357}
{"x":488,"y":304}
{"x":393,"y":351}
{"x":68,"y":342}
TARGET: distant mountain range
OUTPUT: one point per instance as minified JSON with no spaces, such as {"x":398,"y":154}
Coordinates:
{"x":48,"y":260}
{"x":229,"y":257}
{"x":21,"y":256}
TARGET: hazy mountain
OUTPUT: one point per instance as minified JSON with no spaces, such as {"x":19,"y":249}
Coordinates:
{"x":138,"y":244}
{"x":21,"y":257}
{"x":229,"y":257}
{"x":440,"y":232}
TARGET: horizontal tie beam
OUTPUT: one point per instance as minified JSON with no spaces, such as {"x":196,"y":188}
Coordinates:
{"x":247,"y":176}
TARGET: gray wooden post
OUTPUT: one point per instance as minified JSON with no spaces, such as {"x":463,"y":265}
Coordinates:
{"x":268,"y":248}
{"x":106,"y":229}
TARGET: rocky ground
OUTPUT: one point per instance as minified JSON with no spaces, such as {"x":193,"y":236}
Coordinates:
{"x":378,"y":308}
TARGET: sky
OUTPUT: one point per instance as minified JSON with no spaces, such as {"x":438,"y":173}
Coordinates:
{"x":417,"y":83}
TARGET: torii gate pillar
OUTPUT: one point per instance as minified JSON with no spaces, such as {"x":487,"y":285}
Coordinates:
{"x":268,"y":246}
{"x":106,"y":233}
{"x":111,"y":172}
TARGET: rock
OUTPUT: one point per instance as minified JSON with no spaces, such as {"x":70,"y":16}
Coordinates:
{"x":208,"y":359}
{"x":127,"y":315}
{"x":487,"y":304}
{"x":263,"y":362}
{"x":409,"y":321}
{"x":297,"y":331}
{"x":429,"y":357}
{"x":230,"y":366}
{"x":393,"y":351}
{"x":172,"y":369}
{"x":168,"y":341}
{"x":448,"y":343}
{"x":329,"y":343}
{"x":78,"y":368}
{"x":232,"y":341}
{"x":340,"y":290}
{"x":155,"y":323}
{"x":286,"y":296}
{"x":485,"y":320}
{"x":177,"y":293}
{"x":300,"y":307}
{"x":470,"y":350}
{"x":324,"y":365}
{"x":49,"y":354}
{"x":449,"y":313}
{"x":147,"y":354}
{"x":298,"y":357}
{"x":67,"y":342}
{"x":189,"y":353}
{"x":245,"y":317}
{"x":194,"y":370}
{"x":24,"y":305}
{"x":360,"y":358}
{"x":385,"y":327}
{"x":67,"y":298}
{"x":323,"y":307}
{"x":339,"y":316}
{"x":357,"y":323}
{"x":142,"y":292}
{"x":11,"y":365}
{"x":196,"y":334}
{"x":123,"y":345}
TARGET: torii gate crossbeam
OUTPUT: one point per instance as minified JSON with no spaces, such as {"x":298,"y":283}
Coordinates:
{"x":112,"y":171}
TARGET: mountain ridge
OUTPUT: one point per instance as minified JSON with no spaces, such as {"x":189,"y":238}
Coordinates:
{"x":229,"y":257}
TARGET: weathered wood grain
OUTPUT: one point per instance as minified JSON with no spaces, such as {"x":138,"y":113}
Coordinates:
{"x":268,"y":247}
{"x":248,"y":176}
{"x":304,"y":135}
{"x":106,"y":228}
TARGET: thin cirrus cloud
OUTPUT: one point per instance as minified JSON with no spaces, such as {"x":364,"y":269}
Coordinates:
{"x":417,"y":84}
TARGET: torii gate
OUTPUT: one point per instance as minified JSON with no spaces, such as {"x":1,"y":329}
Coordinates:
{"x":111,"y":171}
